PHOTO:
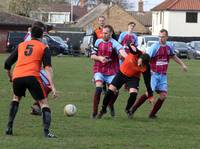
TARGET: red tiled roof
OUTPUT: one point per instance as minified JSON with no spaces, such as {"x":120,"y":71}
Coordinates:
{"x":179,"y":5}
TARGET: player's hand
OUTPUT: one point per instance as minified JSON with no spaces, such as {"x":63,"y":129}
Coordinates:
{"x":151,"y":99}
{"x":54,"y":93}
{"x":103,"y":59}
{"x":9,"y":75}
{"x":185,"y":68}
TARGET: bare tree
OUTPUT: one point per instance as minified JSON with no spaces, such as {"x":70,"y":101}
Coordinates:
{"x":23,"y":7}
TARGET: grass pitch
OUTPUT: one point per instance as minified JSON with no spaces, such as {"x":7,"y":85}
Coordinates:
{"x":177,"y":126}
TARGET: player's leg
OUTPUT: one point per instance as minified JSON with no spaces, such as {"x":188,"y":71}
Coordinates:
{"x":143,"y":98}
{"x":162,"y":90}
{"x":115,"y":85}
{"x":108,"y":80}
{"x":14,"y":105}
{"x":99,"y":79}
{"x":37,"y":90}
{"x":19,"y":91}
{"x":35,"y":108}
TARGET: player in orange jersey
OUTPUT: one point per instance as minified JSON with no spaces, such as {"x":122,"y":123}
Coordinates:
{"x":29,"y":57}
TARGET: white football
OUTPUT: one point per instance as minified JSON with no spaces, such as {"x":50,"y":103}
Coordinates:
{"x":70,"y":110}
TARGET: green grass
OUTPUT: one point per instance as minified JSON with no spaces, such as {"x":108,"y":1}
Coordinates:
{"x":177,"y":127}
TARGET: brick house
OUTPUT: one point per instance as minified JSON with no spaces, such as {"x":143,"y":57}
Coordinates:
{"x":116,"y":16}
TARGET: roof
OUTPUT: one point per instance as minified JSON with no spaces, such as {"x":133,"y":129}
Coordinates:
{"x":9,"y":18}
{"x":178,"y":5}
{"x":78,"y":11}
{"x":92,"y":15}
{"x":143,"y":17}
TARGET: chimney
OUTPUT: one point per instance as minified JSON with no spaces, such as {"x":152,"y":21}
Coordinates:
{"x":82,"y":3}
{"x":140,"y":6}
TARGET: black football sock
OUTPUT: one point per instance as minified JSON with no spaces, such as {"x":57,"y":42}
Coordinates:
{"x":96,"y":99}
{"x":131,"y":101}
{"x":13,"y":111}
{"x":138,"y":103}
{"x":107,"y":98}
{"x":46,"y":116}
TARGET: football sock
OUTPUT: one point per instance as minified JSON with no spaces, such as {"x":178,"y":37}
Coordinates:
{"x":13,"y":111}
{"x":96,"y":99}
{"x":107,"y":98}
{"x":156,"y":107}
{"x":138,"y":103}
{"x":114,"y":98}
{"x":46,"y":116}
{"x":131,"y":101}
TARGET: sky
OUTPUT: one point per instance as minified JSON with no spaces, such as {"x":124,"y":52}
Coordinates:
{"x":148,"y":4}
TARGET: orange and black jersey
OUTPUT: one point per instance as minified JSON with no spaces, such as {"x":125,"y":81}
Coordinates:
{"x":29,"y":56}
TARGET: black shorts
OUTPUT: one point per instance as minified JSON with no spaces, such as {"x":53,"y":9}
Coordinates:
{"x":120,"y":79}
{"x":33,"y":84}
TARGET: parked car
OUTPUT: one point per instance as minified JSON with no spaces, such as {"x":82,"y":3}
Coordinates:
{"x":86,"y":45}
{"x":195,"y":49}
{"x":144,"y":39}
{"x":181,"y":49}
{"x":14,"y":38}
{"x":54,"y":46}
{"x":61,"y":41}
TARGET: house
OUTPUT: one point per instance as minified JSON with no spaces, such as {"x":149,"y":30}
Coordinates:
{"x":11,"y":22}
{"x":58,"y":13}
{"x":180,"y":17}
{"x":116,"y":17}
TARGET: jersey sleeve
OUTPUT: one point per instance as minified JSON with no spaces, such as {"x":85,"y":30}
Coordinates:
{"x":152,"y":50}
{"x":95,"y":48}
{"x":121,"y":37}
{"x":11,"y":59}
{"x":136,"y":40}
{"x":46,"y":57}
{"x":171,"y":45}
{"x":116,"y":45}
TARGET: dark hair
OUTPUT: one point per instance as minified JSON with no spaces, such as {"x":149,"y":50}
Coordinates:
{"x":39,"y":24}
{"x":145,"y":58}
{"x":164,"y":30}
{"x":109,"y":27}
{"x":131,"y":23}
{"x":36,"y":32}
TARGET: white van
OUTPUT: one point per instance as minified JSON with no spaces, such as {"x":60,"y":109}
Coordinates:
{"x":86,"y":44}
{"x":145,"y":41}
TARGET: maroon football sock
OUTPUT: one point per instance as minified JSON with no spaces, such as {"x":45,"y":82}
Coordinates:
{"x":96,"y":99}
{"x":156,"y":107}
{"x":139,"y":102}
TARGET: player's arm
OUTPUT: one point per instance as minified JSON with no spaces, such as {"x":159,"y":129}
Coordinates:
{"x":94,"y":38}
{"x":9,"y":62}
{"x":147,"y":82}
{"x":48,"y":68}
{"x":180,"y":62}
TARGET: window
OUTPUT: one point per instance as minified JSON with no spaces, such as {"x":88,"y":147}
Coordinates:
{"x":191,"y":17}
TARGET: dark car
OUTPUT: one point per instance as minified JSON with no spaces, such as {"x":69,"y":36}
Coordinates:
{"x":181,"y":49}
{"x":62,"y":42}
{"x":195,"y":49}
{"x":55,"y":47}
{"x":14,"y":38}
